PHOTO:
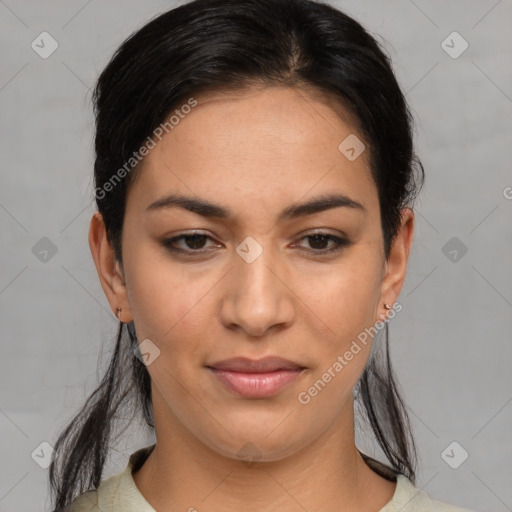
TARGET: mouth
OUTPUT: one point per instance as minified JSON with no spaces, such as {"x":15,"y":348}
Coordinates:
{"x":255,"y":378}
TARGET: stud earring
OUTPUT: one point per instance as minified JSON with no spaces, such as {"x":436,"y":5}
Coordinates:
{"x":387,"y":306}
{"x":118,"y":314}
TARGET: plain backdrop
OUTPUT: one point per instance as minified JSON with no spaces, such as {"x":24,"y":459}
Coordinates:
{"x":450,"y":345}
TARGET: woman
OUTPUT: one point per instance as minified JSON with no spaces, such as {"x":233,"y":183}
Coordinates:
{"x":254,"y":176}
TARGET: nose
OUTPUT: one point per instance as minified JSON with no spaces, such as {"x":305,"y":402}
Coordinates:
{"x":257,"y":298}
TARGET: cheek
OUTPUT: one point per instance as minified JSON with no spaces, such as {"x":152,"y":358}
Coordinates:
{"x":168,"y":302}
{"x":344,"y":296}
{"x":345,"y":300}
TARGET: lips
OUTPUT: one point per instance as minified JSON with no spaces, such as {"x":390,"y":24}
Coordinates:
{"x":255,"y":378}
{"x":246,"y":365}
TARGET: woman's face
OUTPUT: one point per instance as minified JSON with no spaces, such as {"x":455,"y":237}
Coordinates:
{"x":255,"y":282}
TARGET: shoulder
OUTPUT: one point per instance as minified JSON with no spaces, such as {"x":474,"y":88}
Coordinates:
{"x":101,"y":499}
{"x":408,"y":498}
{"x":116,"y":493}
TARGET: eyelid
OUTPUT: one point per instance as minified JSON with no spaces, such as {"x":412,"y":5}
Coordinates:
{"x":323,"y":231}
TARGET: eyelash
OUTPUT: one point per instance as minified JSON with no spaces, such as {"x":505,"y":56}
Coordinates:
{"x":341,"y":243}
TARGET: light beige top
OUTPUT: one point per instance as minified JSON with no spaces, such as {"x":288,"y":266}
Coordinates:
{"x":120,"y":494}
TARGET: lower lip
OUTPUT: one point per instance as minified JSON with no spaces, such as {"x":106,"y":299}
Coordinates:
{"x":256,"y":385}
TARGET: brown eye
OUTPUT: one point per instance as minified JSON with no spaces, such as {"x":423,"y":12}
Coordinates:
{"x":319,"y":243}
{"x":191,"y":243}
{"x":194,"y":241}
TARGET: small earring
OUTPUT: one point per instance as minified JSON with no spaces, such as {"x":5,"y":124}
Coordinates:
{"x":118,"y":314}
{"x":387,"y":306}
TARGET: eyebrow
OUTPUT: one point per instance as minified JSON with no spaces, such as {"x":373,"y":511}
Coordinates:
{"x":207,"y":209}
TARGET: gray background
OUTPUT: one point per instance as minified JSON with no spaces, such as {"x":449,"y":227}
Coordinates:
{"x":450,"y":344}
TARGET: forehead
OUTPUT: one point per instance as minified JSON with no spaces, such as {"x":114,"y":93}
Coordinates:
{"x":260,"y":145}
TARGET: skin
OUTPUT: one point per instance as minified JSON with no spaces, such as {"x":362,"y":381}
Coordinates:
{"x":254,"y":152}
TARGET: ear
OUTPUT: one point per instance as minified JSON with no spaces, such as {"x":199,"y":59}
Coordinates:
{"x":108,"y":268}
{"x":396,"y":264}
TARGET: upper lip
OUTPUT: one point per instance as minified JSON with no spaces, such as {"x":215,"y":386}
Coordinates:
{"x":266,"y":364}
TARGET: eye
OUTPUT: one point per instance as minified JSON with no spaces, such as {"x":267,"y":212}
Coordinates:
{"x":319,"y":240}
{"x":194,"y":243}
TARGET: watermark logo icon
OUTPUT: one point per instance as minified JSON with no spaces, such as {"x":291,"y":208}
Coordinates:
{"x":44,"y":45}
{"x":146,"y":352}
{"x":351,"y":147}
{"x":454,"y":455}
{"x":44,"y":250}
{"x":249,"y":454}
{"x":249,"y":249}
{"x":454,"y":249}
{"x":454,"y":45}
{"x":42,"y":455}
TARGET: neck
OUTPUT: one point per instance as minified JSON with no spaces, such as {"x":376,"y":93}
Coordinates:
{"x":182,"y":473}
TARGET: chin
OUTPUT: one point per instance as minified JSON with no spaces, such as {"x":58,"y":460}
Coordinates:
{"x":254,"y":444}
